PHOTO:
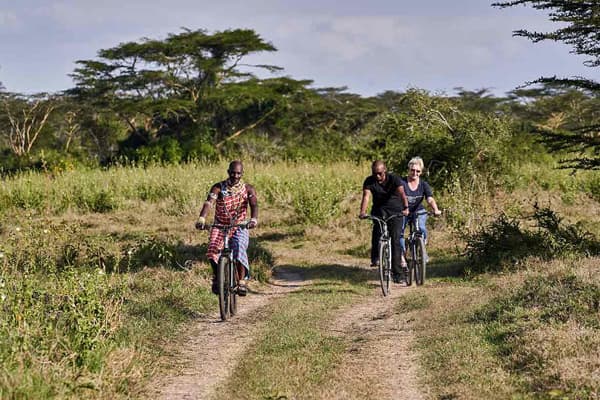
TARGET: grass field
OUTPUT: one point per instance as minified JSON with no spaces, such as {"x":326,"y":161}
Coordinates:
{"x":99,"y":268}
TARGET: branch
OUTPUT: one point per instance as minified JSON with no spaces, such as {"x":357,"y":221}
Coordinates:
{"x":238,"y":133}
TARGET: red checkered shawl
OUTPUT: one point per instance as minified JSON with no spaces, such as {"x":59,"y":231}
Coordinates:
{"x":231,"y":207}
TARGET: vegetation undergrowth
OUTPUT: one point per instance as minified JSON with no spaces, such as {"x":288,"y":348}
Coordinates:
{"x":89,"y":293}
{"x":505,"y":242}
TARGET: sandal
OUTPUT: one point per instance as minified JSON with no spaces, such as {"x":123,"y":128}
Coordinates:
{"x":242,"y":289}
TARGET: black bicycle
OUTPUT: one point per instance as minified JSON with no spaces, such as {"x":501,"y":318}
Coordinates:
{"x":227,"y":277}
{"x":385,"y":251}
{"x":415,"y":252}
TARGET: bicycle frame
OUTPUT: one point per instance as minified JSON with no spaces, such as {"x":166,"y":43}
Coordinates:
{"x":415,"y":229}
{"x":385,"y":252}
{"x":227,"y":288}
{"x":415,"y":244}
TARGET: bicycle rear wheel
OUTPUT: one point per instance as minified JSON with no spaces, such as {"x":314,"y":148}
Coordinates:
{"x":233,"y":294}
{"x":385,"y":266}
{"x":224,"y":279}
{"x":420,"y":263}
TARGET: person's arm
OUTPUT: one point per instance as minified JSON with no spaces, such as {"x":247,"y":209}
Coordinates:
{"x":433,"y":205}
{"x":364,"y":203}
{"x":253,"y":201}
{"x":211,"y":199}
{"x":402,"y":194}
{"x":430,"y":200}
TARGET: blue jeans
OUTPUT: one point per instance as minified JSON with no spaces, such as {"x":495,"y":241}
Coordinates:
{"x":422,"y":220}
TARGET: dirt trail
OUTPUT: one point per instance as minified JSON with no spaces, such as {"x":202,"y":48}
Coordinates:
{"x":211,"y":347}
{"x":380,"y":363}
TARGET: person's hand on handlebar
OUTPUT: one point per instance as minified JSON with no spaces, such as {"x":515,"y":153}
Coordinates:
{"x":437,"y":212}
{"x":252,"y":223}
{"x":363,"y":216}
{"x":201,"y":224}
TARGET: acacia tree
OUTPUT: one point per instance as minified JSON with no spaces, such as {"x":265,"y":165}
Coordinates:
{"x":23,"y":120}
{"x":156,"y":86}
{"x":581,"y":30}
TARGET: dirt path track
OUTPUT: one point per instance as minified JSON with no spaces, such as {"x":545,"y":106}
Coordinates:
{"x":379,"y":363}
{"x":211,"y":347}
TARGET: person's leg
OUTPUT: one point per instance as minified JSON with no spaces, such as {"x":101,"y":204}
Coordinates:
{"x":215,"y":245}
{"x":239,"y":245}
{"x":215,"y":283}
{"x":423,"y":225}
{"x":402,"y":240}
{"x":376,"y":234}
{"x":242,"y":275}
{"x":395,"y":226}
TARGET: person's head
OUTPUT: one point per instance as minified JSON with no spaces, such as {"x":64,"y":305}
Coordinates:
{"x":415,"y":167}
{"x":235,"y":171}
{"x":379,"y":170}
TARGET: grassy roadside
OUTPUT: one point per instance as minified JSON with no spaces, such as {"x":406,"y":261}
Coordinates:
{"x":94,"y":281}
{"x":95,"y":274}
{"x":531,"y":334}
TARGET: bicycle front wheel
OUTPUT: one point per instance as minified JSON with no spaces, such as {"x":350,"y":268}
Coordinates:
{"x":420,"y":262}
{"x":233,"y":294}
{"x":410,"y":264}
{"x":385,"y":266}
{"x":223,"y":273}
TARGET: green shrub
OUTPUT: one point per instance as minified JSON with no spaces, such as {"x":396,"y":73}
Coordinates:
{"x":453,"y":143}
{"x":501,"y":241}
{"x":504,"y":242}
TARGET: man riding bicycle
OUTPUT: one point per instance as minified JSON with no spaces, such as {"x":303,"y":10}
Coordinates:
{"x":388,"y":199}
{"x":416,"y":191}
{"x":231,"y":199}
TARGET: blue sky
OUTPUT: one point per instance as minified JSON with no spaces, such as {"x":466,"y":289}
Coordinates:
{"x":368,"y":46}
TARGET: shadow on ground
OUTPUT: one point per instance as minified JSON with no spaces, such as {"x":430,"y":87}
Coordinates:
{"x":446,"y":266}
{"x":328,"y":273}
{"x":278,"y":236}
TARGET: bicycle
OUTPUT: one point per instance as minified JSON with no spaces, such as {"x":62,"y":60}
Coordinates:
{"x":227,"y":277}
{"x":415,"y":246}
{"x":385,"y":251}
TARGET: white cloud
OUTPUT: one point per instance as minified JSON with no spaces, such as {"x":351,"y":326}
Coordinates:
{"x":368,"y":46}
{"x":8,"y":19}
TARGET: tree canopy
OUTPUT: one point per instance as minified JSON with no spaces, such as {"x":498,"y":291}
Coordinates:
{"x":580,"y":28}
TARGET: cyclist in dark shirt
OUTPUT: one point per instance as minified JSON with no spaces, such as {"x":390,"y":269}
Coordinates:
{"x":388,"y":199}
{"x":416,"y":191}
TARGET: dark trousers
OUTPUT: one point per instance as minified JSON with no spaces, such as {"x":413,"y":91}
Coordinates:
{"x":395,"y":229}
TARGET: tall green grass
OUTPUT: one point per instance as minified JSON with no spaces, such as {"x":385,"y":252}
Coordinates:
{"x":82,"y":305}
{"x":314,"y":193}
{"x":79,"y":308}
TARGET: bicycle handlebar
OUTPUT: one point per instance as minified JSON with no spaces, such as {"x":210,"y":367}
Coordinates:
{"x":221,"y":226}
{"x":243,"y":225}
{"x":382,"y":219}
{"x":375,"y":218}
{"x":430,"y":213}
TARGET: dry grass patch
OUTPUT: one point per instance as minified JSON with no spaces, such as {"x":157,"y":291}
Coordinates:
{"x":530,"y":334}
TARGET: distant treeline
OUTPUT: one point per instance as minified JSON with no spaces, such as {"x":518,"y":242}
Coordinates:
{"x":190,"y":97}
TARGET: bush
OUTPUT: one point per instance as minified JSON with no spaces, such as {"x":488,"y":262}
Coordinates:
{"x":503,"y":243}
{"x":500,"y":242}
{"x":456,"y":144}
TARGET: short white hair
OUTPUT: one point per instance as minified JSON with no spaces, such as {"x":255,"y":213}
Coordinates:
{"x":418,"y":161}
